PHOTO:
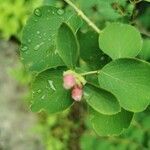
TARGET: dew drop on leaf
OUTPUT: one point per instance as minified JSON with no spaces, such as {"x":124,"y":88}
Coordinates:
{"x":38,"y":46}
{"x":60,"y":11}
{"x":24,"y":48}
{"x":44,"y":34}
{"x":39,"y":91}
{"x":43,"y":97}
{"x":51,"y":85}
{"x":38,"y":12}
{"x":55,"y":52}
{"x":38,"y":32}
{"x":29,"y":40}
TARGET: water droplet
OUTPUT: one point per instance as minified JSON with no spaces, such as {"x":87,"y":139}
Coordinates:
{"x":24,"y":48}
{"x":38,"y":32}
{"x":44,"y":34}
{"x":43,"y":97}
{"x":29,"y":40}
{"x":38,"y":46}
{"x":51,"y":85}
{"x":55,"y":52}
{"x":39,"y":91}
{"x":60,"y":11}
{"x":38,"y":12}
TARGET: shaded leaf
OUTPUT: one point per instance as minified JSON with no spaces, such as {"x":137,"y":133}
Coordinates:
{"x":38,"y":49}
{"x":110,"y":125}
{"x":101,"y":100}
{"x":67,"y":46}
{"x":145,"y":52}
{"x":48,"y":93}
{"x":90,"y":51}
{"x":129,"y":80}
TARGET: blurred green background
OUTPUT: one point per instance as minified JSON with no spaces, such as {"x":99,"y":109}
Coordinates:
{"x":20,"y":129}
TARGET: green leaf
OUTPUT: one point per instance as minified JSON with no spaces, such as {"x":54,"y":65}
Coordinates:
{"x":89,"y":50}
{"x":74,"y":21}
{"x":101,"y":100}
{"x":120,"y":40}
{"x":48,"y":92}
{"x":38,"y":49}
{"x":145,"y":52}
{"x":67,"y":46}
{"x":93,"y":79}
{"x":129,"y":80}
{"x":110,"y":125}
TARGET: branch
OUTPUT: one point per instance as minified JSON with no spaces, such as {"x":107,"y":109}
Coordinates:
{"x":83,"y":16}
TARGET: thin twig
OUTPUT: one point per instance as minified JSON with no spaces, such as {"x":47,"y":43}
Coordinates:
{"x":89,"y":73}
{"x":83,"y":16}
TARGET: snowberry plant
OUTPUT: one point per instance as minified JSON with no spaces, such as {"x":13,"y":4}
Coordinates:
{"x":73,"y":60}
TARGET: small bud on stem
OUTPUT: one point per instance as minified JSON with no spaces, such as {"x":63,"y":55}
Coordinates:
{"x":69,"y":81}
{"x":77,"y":93}
{"x":75,"y":82}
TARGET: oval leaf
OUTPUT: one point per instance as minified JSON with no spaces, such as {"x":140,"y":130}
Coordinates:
{"x":74,"y":21}
{"x":38,"y":49}
{"x":129,"y":80}
{"x":101,"y":100}
{"x":48,"y":92}
{"x":67,"y":46}
{"x":120,"y":40}
{"x":89,"y":50}
{"x":145,"y":52}
{"x":110,"y":125}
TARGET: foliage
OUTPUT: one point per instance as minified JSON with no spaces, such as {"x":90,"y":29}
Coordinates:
{"x":57,"y":131}
{"x":135,"y":138}
{"x":13,"y":16}
{"x":54,"y":41}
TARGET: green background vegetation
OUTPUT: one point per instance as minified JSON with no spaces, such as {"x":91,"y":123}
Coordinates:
{"x":71,"y":129}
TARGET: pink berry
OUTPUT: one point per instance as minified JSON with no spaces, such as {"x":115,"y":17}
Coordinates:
{"x":69,"y":81}
{"x":77,"y":93}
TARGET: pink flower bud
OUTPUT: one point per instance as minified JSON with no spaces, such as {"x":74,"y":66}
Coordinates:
{"x":77,"y":93}
{"x":69,"y":81}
